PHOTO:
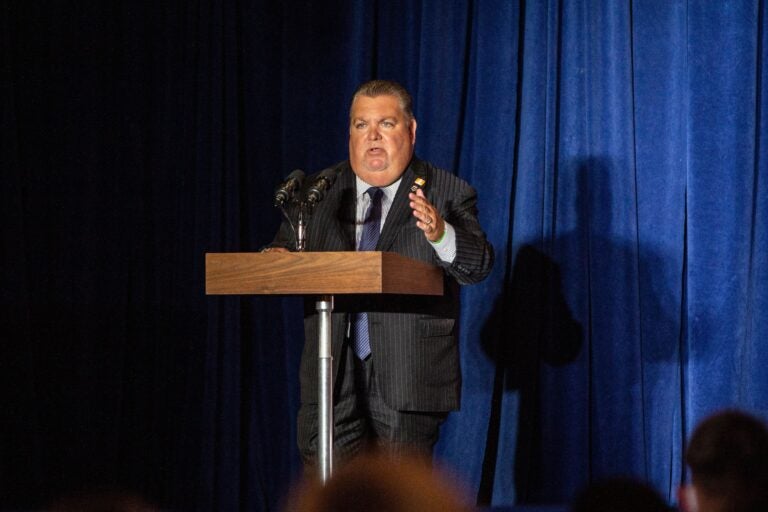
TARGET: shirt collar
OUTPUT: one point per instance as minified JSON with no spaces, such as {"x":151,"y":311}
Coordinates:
{"x":389,"y":190}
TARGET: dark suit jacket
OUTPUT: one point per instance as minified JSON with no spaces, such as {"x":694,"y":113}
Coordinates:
{"x":413,"y":339}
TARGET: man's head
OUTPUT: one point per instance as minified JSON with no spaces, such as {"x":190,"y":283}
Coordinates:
{"x":381,"y":482}
{"x":382,"y":132}
{"x":728,"y":458}
{"x":618,"y":493}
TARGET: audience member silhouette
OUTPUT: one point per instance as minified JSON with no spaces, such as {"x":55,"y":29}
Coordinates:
{"x":728,"y":460}
{"x":102,"y":501}
{"x":379,"y":482}
{"x":619,"y":494}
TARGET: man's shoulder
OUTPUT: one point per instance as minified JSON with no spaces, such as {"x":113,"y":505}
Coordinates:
{"x":436,"y":175}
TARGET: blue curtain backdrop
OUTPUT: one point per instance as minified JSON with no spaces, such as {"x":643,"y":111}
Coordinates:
{"x":619,"y":151}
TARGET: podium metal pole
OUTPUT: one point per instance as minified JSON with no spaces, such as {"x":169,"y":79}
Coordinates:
{"x":324,"y":308}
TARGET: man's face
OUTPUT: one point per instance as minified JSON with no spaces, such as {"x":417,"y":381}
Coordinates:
{"x":381,"y":139}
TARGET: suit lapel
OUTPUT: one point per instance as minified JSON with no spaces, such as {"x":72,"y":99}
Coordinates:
{"x":400,"y":212}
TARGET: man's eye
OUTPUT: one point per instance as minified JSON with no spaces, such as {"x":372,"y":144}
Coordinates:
{"x":359,"y":125}
{"x":387,"y":124}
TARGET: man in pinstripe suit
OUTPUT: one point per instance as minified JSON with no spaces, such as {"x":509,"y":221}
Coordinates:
{"x":397,"y":394}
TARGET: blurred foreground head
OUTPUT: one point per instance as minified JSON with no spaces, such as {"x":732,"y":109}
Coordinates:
{"x":728,"y":458}
{"x":102,"y":501}
{"x":381,"y":483}
{"x":619,"y":494}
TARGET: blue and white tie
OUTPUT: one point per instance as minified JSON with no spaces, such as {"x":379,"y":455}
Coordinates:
{"x":370,"y":237}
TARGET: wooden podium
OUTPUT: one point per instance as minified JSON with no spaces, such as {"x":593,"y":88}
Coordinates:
{"x":324,"y":274}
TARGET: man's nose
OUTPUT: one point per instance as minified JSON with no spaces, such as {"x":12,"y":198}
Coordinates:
{"x":373,"y":133}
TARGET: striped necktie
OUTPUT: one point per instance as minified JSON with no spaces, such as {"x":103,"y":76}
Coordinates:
{"x":370,"y":236}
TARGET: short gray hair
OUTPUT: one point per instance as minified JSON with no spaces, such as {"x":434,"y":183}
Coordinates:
{"x":374,"y":88}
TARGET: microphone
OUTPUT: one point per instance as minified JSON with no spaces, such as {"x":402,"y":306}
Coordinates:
{"x":320,"y":186}
{"x":288,"y":187}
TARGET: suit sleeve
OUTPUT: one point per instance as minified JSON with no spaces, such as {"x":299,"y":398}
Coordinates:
{"x":474,"y":254}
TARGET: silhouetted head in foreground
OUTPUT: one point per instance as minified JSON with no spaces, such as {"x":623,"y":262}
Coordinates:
{"x":380,"y":483}
{"x":102,"y":501}
{"x":619,"y":494}
{"x":728,"y":459}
